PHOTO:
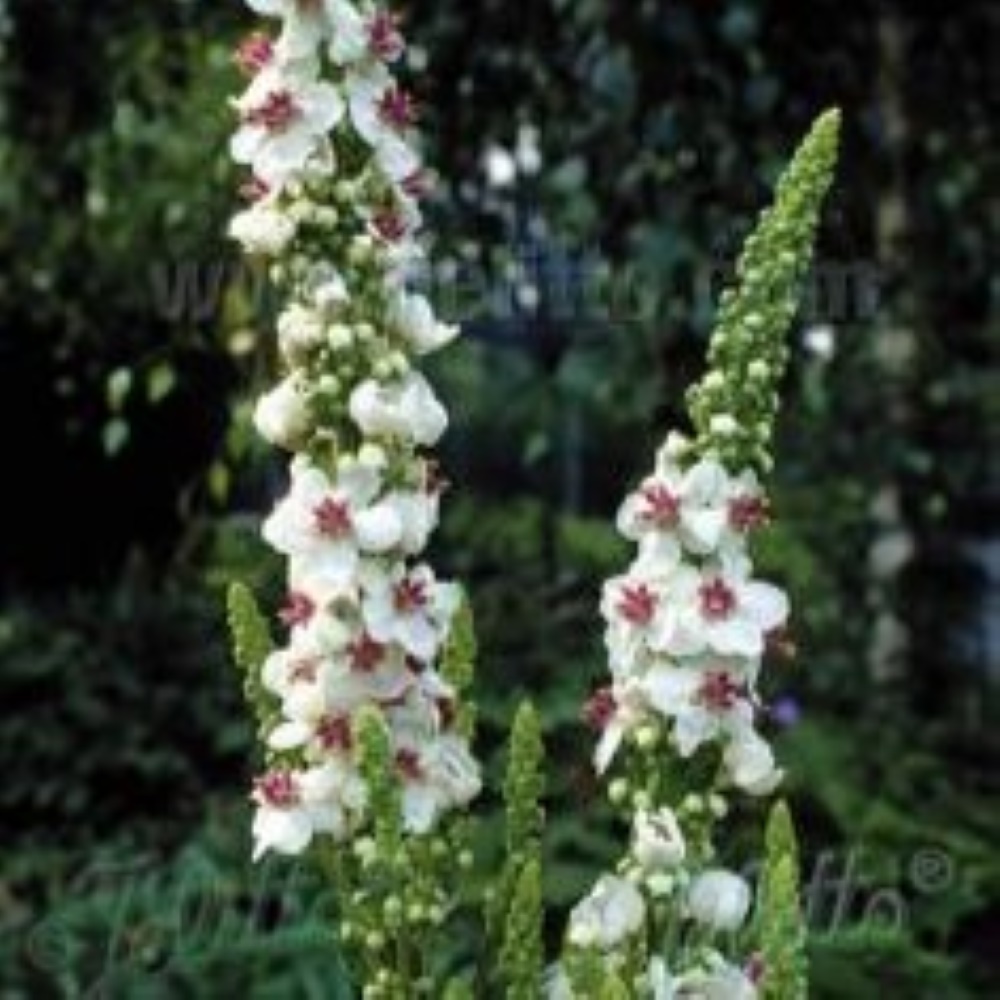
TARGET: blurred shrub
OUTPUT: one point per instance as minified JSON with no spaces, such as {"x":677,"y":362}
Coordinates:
{"x":120,"y":714}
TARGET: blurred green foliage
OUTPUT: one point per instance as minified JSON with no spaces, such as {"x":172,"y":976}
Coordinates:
{"x":643,"y":137}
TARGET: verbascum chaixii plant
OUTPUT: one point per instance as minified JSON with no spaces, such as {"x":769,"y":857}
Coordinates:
{"x":364,"y":707}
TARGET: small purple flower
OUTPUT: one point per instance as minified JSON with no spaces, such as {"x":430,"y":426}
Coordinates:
{"x":786,"y":712}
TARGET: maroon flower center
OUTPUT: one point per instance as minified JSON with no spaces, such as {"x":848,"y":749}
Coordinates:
{"x":662,"y":507}
{"x":254,"y":54}
{"x":305,"y":671}
{"x":298,"y":610}
{"x":747,"y":512}
{"x":418,"y":184}
{"x":447,"y":712}
{"x":755,"y":969}
{"x":718,"y":599}
{"x":719,"y":692}
{"x":277,"y":789}
{"x":780,"y":643}
{"x":435,"y":481}
{"x":332,"y":518}
{"x":637,"y":604}
{"x":255,"y":190}
{"x":334,"y":733}
{"x":389,"y":225}
{"x":365,"y":654}
{"x":277,"y":112}
{"x":408,"y":764}
{"x":384,"y":39}
{"x":397,"y":109}
{"x":410,"y":596}
{"x":600,"y":709}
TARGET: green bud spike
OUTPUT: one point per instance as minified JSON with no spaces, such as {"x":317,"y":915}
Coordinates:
{"x":734,"y":407}
{"x":458,"y":666}
{"x":379,"y":772}
{"x":522,"y":958}
{"x":252,"y":645}
{"x":782,"y":932}
{"x":524,"y":785}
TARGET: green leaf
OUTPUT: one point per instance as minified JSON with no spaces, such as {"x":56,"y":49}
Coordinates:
{"x":115,"y":436}
{"x":118,"y":388}
{"x":160,"y":383}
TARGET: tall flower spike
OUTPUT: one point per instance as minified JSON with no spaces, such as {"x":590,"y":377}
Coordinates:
{"x":326,"y":134}
{"x":688,"y":628}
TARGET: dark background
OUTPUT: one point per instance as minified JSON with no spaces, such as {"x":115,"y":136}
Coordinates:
{"x":642,"y":139}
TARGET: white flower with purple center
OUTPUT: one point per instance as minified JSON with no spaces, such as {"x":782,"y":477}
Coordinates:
{"x":295,"y":806}
{"x":411,"y":608}
{"x":325,"y":527}
{"x":285,"y":119}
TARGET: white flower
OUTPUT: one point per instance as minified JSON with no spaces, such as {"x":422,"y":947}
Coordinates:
{"x":282,"y":415}
{"x":303,"y":28}
{"x":367,"y":90}
{"x":624,"y":709}
{"x":657,"y":840}
{"x":719,"y":610}
{"x":634,"y":607}
{"x":308,"y":22}
{"x":556,"y":984}
{"x":438,"y":773}
{"x":300,"y":330}
{"x":348,"y":30}
{"x":284,"y":120}
{"x":661,"y":984}
{"x":719,"y":899}
{"x":294,"y":806}
{"x":410,"y":608}
{"x":612,"y":912}
{"x":720,"y":982}
{"x":704,"y":509}
{"x":331,"y":294}
{"x":413,"y":317}
{"x":262,"y":229}
{"x":325,"y":527}
{"x":751,"y":765}
{"x":705,"y":701}
{"x":691,"y":504}
{"x":406,"y":408}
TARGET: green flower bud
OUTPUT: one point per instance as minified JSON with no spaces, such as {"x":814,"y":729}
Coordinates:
{"x":618,"y":791}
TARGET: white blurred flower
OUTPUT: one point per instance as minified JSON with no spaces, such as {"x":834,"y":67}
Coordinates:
{"x":719,"y":899}
{"x":721,"y":981}
{"x":500,"y":167}
{"x":406,"y":409}
{"x":657,"y":840}
{"x":413,"y":317}
{"x":262,"y":229}
{"x":750,"y":763}
{"x":282,"y":415}
{"x":300,"y":330}
{"x":612,"y":912}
